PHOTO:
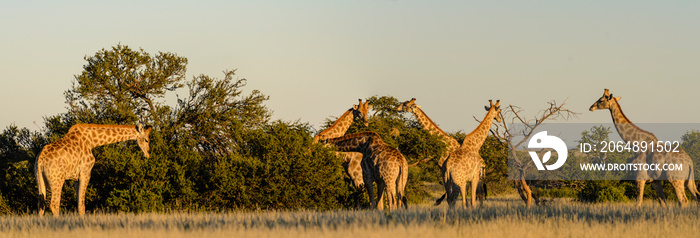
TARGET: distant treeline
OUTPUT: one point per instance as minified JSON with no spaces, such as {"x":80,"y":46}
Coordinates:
{"x":217,"y":149}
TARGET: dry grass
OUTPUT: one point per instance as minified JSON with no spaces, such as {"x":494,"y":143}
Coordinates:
{"x":498,"y":217}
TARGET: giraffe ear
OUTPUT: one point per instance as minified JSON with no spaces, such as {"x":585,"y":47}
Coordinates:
{"x":417,"y":106}
{"x":486,"y":107}
{"x":617,"y":98}
{"x":355,"y":107}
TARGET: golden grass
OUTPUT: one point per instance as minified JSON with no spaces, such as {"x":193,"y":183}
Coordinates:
{"x":498,"y":217}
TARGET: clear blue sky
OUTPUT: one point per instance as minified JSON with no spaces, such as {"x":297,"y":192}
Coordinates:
{"x":316,"y":58}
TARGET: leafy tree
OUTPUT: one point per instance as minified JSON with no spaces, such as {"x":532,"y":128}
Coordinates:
{"x":18,"y":148}
{"x":120,"y":85}
{"x":595,"y":136}
{"x":495,"y":155}
{"x":691,"y":145}
{"x":213,"y":149}
{"x":216,"y":114}
{"x":418,"y":146}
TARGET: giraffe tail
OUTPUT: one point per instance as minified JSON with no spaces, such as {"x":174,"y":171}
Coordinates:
{"x":404,"y":200}
{"x":446,"y":175}
{"x":439,"y":200}
{"x":691,"y":184}
{"x":403,"y":180}
{"x":41,"y":184}
{"x":39,"y":173}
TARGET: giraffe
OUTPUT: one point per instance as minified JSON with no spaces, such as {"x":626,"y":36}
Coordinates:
{"x":341,"y":125}
{"x":629,"y":132}
{"x":430,"y":126}
{"x":351,"y":160}
{"x":386,"y":166}
{"x":71,"y":158}
{"x":465,"y":163}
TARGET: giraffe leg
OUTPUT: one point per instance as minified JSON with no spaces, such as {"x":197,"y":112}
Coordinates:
{"x":463,"y":190}
{"x":679,"y":188}
{"x":658,"y":187}
{"x":475,"y":185}
{"x":369,"y":185}
{"x":640,"y":192}
{"x":391,"y":196}
{"x":693,"y":189}
{"x":76,"y":184}
{"x":380,"y":195}
{"x":56,"y":187}
{"x":82,"y":187}
{"x":448,"y":193}
{"x":42,"y":198}
{"x":452,"y":197}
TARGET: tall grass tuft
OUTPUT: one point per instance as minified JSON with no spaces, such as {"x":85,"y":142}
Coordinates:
{"x":498,"y":217}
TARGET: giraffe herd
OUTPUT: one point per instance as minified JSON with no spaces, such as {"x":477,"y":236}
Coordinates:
{"x":367,"y":158}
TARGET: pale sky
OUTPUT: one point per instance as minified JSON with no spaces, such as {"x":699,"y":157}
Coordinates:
{"x":316,"y":58}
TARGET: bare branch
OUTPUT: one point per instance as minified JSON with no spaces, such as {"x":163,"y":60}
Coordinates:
{"x":513,"y":114}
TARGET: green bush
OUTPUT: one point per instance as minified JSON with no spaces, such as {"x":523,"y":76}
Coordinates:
{"x":611,"y":194}
{"x":607,"y":191}
{"x":562,"y":192}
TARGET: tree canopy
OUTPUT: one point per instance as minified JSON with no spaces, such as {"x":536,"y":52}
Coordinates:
{"x":215,"y":147}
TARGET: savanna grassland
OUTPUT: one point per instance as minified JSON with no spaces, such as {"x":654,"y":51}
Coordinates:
{"x":228,"y":170}
{"x":503,"y":216}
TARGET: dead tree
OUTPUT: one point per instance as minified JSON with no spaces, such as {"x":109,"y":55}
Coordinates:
{"x":513,"y":115}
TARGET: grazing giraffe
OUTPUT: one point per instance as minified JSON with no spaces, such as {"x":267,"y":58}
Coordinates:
{"x":386,"y":166}
{"x":430,"y":126}
{"x":629,"y":132}
{"x":465,"y":163}
{"x":71,"y":158}
{"x":351,"y":160}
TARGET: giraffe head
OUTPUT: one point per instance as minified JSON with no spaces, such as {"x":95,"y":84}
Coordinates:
{"x":142,"y":133}
{"x":604,"y":102}
{"x":408,"y":106}
{"x":494,"y":108}
{"x":360,"y":111}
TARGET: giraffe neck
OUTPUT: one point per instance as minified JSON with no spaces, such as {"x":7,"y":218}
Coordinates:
{"x":357,"y":142}
{"x":477,"y":137}
{"x":97,"y":135}
{"x":431,"y":127}
{"x":338,"y":128}
{"x":627,"y":130}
